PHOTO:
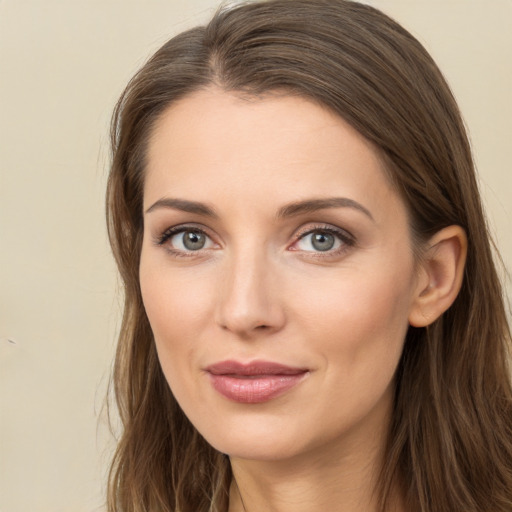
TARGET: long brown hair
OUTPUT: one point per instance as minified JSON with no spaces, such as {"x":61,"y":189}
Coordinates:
{"x":450,"y":444}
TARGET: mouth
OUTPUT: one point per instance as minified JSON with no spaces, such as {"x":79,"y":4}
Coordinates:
{"x":255,"y":382}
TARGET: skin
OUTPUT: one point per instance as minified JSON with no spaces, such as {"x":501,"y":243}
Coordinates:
{"x":259,"y":290}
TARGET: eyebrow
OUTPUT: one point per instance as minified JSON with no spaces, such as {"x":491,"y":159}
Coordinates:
{"x":313,"y":205}
{"x":184,"y":205}
{"x":289,"y":210}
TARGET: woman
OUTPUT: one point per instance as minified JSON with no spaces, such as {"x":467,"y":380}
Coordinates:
{"x":313,"y":319}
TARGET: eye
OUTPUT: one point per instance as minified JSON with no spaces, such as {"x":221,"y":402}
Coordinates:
{"x":323,"y":240}
{"x":186,"y":239}
{"x":189,"y":241}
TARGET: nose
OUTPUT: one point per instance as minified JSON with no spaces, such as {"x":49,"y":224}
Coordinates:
{"x":249,"y":302}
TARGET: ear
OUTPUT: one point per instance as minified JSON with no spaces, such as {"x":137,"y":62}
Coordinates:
{"x":440,"y":275}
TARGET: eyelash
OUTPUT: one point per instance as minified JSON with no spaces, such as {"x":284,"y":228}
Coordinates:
{"x":176,"y":230}
{"x":347,"y":240}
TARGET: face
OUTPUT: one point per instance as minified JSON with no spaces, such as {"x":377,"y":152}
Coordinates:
{"x":277,"y":274}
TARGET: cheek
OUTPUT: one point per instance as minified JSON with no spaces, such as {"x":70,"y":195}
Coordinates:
{"x":174,"y":300}
{"x":179,"y":306}
{"x":358,"y":324}
{"x":356,"y":301}
{"x":357,"y":327}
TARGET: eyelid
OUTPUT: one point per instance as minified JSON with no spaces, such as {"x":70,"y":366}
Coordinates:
{"x":346,"y":238}
{"x":311,"y":228}
{"x":162,"y":238}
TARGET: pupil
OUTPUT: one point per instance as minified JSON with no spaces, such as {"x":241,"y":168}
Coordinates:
{"x":193,"y":241}
{"x":323,"y":241}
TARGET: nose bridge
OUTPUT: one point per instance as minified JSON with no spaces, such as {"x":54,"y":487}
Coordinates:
{"x":248,"y":299}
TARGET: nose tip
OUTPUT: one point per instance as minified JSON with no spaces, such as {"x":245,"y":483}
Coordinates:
{"x":246,"y":323}
{"x":249,"y":303}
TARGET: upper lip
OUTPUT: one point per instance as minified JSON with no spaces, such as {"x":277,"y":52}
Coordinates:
{"x":253,"y":368}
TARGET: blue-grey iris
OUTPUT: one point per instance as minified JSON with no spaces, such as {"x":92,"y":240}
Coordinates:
{"x":193,"y":240}
{"x":322,"y":241}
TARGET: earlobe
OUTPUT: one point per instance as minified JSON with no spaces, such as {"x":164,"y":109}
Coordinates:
{"x":441,"y":274}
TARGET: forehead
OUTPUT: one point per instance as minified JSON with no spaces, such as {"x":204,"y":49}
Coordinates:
{"x":213,"y":144}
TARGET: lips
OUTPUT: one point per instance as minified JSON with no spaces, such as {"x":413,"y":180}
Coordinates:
{"x":255,"y":382}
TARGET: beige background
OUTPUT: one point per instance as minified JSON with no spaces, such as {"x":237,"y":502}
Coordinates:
{"x":62,"y":65}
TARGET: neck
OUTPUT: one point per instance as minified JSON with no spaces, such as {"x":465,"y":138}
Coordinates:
{"x":334,"y":478}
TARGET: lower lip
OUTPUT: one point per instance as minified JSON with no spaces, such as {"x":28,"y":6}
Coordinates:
{"x":254,"y":390}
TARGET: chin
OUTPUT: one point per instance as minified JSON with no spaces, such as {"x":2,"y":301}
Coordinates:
{"x":265,"y":448}
{"x":263,"y":439}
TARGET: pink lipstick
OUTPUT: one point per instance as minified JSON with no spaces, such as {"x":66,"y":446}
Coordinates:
{"x":255,"y":382}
